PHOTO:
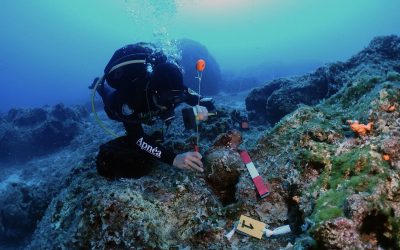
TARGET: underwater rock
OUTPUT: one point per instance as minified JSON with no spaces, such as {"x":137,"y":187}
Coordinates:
{"x":337,"y":173}
{"x":391,"y":147}
{"x":372,"y":223}
{"x":216,"y":125}
{"x":163,"y":209}
{"x":387,"y":117}
{"x":26,"y":117}
{"x":339,"y":233}
{"x":281,"y":96}
{"x":26,"y":133}
{"x":381,"y":48}
{"x":21,"y":208}
{"x":222,"y":165}
{"x":377,"y":230}
{"x":355,"y":208}
{"x":191,"y":52}
{"x":231,"y":139}
{"x":222,"y":173}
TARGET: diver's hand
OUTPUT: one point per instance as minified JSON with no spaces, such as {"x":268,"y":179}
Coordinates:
{"x":189,"y":160}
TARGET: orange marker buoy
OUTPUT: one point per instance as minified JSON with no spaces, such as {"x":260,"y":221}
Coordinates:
{"x":200,"y":65}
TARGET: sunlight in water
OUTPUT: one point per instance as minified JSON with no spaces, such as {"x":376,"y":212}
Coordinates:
{"x":221,"y":7}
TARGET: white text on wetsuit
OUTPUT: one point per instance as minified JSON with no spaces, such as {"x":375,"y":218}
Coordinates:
{"x":150,"y":149}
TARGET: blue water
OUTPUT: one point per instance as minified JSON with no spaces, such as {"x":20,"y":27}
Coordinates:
{"x":51,"y":50}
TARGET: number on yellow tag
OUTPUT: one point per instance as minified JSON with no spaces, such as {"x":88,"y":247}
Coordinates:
{"x":251,"y":227}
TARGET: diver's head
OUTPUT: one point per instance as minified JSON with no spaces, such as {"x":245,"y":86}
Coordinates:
{"x":166,"y":87}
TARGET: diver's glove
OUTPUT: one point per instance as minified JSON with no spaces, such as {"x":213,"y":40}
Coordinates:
{"x":208,"y":103}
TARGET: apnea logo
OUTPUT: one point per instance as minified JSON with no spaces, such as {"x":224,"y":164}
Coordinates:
{"x":146,"y":147}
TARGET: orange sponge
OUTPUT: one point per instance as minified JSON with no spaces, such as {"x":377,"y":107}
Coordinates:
{"x":360,"y":129}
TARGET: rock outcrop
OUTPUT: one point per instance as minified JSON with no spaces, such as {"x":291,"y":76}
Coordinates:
{"x":281,"y":96}
{"x":26,"y":133}
{"x":346,"y":185}
{"x":21,"y":208}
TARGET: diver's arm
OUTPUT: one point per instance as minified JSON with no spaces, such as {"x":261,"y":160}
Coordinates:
{"x":143,"y":143}
{"x":146,"y":145}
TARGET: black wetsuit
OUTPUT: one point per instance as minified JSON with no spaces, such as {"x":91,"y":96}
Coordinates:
{"x":135,"y":100}
{"x":143,"y":144}
{"x":135,"y":74}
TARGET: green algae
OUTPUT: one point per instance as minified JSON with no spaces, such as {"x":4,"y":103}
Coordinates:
{"x":329,"y":206}
{"x":393,"y":76}
{"x":306,"y":135}
{"x":350,"y":95}
{"x":353,"y":172}
{"x":354,"y":166}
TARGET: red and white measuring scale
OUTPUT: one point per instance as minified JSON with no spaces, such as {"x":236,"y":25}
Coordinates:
{"x":263,"y":189}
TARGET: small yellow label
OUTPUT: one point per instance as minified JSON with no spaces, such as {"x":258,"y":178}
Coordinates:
{"x":251,"y":227}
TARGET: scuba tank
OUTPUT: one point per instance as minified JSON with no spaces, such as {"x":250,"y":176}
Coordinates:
{"x":129,"y":67}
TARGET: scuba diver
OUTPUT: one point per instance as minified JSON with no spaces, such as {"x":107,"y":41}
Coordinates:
{"x":139,"y":84}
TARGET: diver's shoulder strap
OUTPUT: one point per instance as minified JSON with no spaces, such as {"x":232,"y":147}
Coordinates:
{"x":133,"y":58}
{"x":126,"y":63}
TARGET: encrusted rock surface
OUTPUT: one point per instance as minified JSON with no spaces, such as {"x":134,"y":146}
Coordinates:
{"x":337,"y":174}
{"x":21,"y":208}
{"x":222,"y":167}
{"x":339,"y":233}
{"x":26,"y":133}
{"x":281,"y":96}
{"x":165,"y":209}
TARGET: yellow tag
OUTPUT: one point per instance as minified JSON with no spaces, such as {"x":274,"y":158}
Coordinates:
{"x":251,"y":227}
